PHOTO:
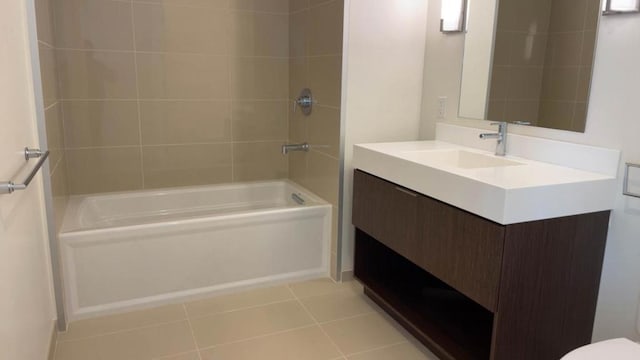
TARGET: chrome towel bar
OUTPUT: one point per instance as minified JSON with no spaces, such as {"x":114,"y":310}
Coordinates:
{"x":9,"y":187}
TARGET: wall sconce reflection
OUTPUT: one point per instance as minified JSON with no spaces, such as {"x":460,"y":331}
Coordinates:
{"x":453,"y":16}
{"x":613,"y":7}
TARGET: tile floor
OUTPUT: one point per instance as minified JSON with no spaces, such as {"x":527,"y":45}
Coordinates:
{"x":313,"y":320}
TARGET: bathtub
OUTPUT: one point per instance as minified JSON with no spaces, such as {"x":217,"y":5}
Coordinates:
{"x":123,"y":251}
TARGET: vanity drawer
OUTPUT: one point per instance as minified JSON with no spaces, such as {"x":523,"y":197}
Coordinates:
{"x":462,"y":249}
{"x":387,"y":212}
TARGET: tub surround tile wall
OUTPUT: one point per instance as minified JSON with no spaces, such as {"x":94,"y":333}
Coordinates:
{"x":53,"y":106}
{"x":172,"y":93}
{"x":315,"y":44}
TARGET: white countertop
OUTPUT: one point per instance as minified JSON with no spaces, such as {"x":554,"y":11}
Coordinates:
{"x":529,"y":191}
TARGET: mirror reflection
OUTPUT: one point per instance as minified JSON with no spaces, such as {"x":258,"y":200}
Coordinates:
{"x":529,"y":61}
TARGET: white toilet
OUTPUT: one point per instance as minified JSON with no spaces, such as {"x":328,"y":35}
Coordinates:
{"x":615,"y":349}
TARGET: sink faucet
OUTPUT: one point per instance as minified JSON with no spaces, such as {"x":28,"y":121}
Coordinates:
{"x":501,"y":136}
{"x":294,"y":147}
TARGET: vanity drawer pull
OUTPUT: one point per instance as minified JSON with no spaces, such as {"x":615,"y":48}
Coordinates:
{"x":410,"y":193}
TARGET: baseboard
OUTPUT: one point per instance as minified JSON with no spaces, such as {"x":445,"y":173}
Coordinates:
{"x":347,"y":275}
{"x":53,"y":341}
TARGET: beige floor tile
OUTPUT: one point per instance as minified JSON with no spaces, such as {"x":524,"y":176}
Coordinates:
{"x":404,"y":351}
{"x":321,"y":287}
{"x":141,"y":344}
{"x":244,"y":324}
{"x":193,"y":355}
{"x":245,"y":299}
{"x":302,"y":344}
{"x":337,"y":305}
{"x":362,"y":333}
{"x":120,"y":322}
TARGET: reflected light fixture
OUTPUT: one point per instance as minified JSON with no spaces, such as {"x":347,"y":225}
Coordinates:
{"x":453,"y":16}
{"x":612,"y":7}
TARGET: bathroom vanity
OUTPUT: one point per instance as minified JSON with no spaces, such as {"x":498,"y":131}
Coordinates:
{"x":480,"y":257}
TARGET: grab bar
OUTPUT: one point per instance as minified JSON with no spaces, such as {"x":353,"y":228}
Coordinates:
{"x":9,"y":187}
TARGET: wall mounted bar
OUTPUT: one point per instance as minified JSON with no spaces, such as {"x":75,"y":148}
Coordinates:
{"x":8,"y":187}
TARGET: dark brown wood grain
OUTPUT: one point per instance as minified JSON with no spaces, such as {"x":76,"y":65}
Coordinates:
{"x":549,"y":288}
{"x":469,"y":288}
{"x":387,"y":212}
{"x":461,"y":249}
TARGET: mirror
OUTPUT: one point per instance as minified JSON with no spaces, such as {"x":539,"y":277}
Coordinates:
{"x":529,"y":61}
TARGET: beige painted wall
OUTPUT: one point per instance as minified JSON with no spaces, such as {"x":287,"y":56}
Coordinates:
{"x":26,"y":299}
{"x":315,"y":41}
{"x":382,"y":84}
{"x":612,"y":122}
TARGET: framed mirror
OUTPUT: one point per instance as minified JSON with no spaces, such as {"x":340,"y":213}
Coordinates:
{"x":529,"y":61}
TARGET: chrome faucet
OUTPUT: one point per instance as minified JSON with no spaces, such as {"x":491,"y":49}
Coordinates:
{"x":286,"y":148}
{"x":501,"y":136}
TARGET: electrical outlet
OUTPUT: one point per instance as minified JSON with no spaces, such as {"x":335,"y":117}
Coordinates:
{"x":442,"y":107}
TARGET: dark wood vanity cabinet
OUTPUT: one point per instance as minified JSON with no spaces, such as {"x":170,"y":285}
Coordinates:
{"x":469,"y":288}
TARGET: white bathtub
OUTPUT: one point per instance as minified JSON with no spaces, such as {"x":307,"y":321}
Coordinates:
{"x":128,"y":250}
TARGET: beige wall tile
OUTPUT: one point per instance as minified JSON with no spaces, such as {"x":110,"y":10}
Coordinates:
{"x":259,"y":161}
{"x":584,"y":84}
{"x":184,"y":122}
{"x":567,"y":15}
{"x":146,"y":343}
{"x":259,"y":34}
{"x":60,"y":192}
{"x":579,"y":117}
{"x":324,"y":130}
{"x":588,"y":48}
{"x":593,"y":14}
{"x":44,"y":21}
{"x":101,"y":123}
{"x":298,"y":167}
{"x":246,"y":299}
{"x":94,"y":24}
{"x":528,"y":50}
{"x":499,"y":88}
{"x":185,"y":165}
{"x":296,"y":5}
{"x":561,"y":84}
{"x":260,"y":121}
{"x":259,"y":78}
{"x":522,"y":110}
{"x":298,"y":77}
{"x":104,"y":169}
{"x":323,"y":176}
{"x":96,"y":75}
{"x":525,"y":83}
{"x":325,"y":28}
{"x":298,"y":33}
{"x":182,"y":76}
{"x":298,"y":127}
{"x":55,"y":134}
{"x":362,"y":333}
{"x":566,"y":49}
{"x":121,"y":322}
{"x":48,"y":74}
{"x":556,"y":114}
{"x":170,"y":28}
{"x":496,"y":110}
{"x":502,"y":48}
{"x":244,"y":324}
{"x":277,"y":6}
{"x":325,"y":79}
{"x":308,"y":343}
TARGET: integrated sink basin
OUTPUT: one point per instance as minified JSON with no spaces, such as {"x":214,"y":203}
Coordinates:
{"x":459,"y":159}
{"x":506,"y":190}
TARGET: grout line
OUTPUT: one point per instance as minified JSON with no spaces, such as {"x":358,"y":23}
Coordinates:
{"x":316,"y":322}
{"x":380,"y":347}
{"x":178,"y":354}
{"x":259,"y":336}
{"x":178,"y":99}
{"x":193,"y":334}
{"x":187,"y":53}
{"x":195,"y":317}
{"x":135,"y":65}
{"x":123,"y":331}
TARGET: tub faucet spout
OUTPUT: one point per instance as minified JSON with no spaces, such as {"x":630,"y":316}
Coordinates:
{"x":286,"y":148}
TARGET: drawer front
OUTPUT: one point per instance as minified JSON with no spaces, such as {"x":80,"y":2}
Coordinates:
{"x":462,"y":249}
{"x":387,"y":212}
